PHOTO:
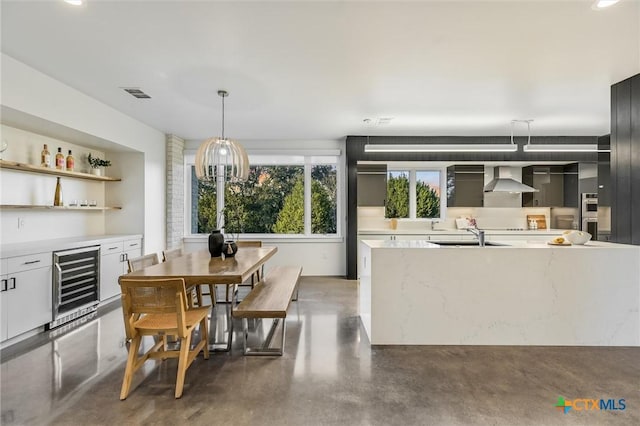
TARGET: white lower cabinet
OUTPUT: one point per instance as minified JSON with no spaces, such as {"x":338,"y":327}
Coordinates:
{"x":113,"y":263}
{"x":110,"y":270}
{"x":25,"y":294}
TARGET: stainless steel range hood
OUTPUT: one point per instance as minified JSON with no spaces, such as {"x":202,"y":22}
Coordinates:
{"x":504,"y":182}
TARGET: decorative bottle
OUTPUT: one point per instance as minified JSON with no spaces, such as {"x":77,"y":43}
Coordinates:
{"x":57,"y":199}
{"x":45,"y":157}
{"x":71,"y":162}
{"x":216,"y":243}
{"x":60,"y":159}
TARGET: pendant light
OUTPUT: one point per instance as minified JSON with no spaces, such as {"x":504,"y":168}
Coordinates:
{"x":221,"y":159}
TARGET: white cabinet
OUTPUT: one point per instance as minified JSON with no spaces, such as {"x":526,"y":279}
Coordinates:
{"x":110,"y":270}
{"x":25,"y":294}
{"x":113,"y":263}
{"x":132,"y":249}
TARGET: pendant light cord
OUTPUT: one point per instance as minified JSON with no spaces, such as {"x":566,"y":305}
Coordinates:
{"x":222,"y":117}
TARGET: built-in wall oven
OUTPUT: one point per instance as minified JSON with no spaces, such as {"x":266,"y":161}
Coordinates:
{"x":76,"y":275}
{"x":589,"y":214}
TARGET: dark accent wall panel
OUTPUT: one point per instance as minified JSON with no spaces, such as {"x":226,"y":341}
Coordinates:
{"x":355,"y":152}
{"x":625,"y":192}
{"x":635,"y":160}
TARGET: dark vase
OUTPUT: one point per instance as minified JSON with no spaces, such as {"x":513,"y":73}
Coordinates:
{"x":216,"y":241}
{"x":230,"y":248}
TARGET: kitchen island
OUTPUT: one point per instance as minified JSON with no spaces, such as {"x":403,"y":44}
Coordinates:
{"x":416,"y":292}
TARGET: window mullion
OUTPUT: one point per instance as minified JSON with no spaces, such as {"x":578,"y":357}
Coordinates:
{"x":307,"y":196}
{"x":412,"y":194}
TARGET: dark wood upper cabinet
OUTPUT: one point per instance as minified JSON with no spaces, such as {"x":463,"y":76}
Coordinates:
{"x":604,"y":171}
{"x":372,"y":185}
{"x":464,"y":186}
{"x":557,"y":186}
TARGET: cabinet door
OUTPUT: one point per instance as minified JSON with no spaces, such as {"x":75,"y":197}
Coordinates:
{"x":110,"y":271}
{"x":465,"y":186}
{"x":29,"y":303}
{"x":372,"y":184}
{"x":4,"y":302}
{"x":549,"y":181}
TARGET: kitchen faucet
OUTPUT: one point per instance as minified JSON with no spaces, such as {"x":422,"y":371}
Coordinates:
{"x":479,"y":233}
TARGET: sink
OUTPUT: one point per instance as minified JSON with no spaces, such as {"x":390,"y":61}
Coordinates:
{"x":466,"y":243}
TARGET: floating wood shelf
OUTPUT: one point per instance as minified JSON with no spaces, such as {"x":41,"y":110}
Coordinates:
{"x":49,"y":171}
{"x":41,"y":207}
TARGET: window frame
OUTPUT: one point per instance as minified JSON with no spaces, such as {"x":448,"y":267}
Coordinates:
{"x":277,"y":158}
{"x":413,"y":202}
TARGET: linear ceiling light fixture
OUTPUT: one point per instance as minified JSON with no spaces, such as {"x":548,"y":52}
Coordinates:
{"x":561,"y":147}
{"x":221,"y":159}
{"x":441,"y":148}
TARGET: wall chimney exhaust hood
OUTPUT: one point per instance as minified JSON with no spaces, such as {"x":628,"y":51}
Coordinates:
{"x":503,"y":182}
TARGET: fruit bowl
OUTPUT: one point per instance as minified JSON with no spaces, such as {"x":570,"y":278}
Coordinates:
{"x":577,"y":237}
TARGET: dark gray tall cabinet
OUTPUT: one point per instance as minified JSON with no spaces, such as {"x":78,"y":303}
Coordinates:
{"x":625,"y":161}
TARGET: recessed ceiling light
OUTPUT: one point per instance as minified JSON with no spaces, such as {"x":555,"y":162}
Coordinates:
{"x":601,"y":4}
{"x":74,"y":2}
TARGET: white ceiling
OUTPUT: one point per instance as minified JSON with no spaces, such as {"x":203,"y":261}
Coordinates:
{"x":315,"y":70}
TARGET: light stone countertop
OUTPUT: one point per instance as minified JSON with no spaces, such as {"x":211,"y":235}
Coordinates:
{"x":422,"y":244}
{"x":387,"y":231}
{"x":32,"y":247}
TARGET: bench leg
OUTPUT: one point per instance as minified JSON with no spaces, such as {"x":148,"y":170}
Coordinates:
{"x":264,"y":350}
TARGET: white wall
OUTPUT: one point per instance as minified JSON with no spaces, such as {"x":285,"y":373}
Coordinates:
{"x":31,"y":92}
{"x":19,"y":188}
{"x":317,"y":257}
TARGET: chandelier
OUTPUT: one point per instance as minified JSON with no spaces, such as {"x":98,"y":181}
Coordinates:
{"x":221,"y":159}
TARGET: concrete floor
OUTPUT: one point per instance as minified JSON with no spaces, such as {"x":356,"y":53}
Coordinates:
{"x":329,"y":375}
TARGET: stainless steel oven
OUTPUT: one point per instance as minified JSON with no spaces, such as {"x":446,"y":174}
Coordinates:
{"x":589,"y":214}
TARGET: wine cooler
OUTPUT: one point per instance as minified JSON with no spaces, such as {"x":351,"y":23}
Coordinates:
{"x":76,"y":275}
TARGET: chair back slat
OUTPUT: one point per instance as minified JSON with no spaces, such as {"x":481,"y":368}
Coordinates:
{"x":171,"y":254}
{"x":153,"y":296}
{"x":142,"y":262}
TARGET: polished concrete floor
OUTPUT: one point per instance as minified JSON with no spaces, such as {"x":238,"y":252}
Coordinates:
{"x":329,"y":375}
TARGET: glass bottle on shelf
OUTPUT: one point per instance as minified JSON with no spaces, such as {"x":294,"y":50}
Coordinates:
{"x":45,"y":157}
{"x":71,"y":162}
{"x":60,"y":163}
{"x":57,"y":199}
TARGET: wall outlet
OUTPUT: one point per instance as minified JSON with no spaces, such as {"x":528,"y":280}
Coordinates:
{"x":20,"y":222}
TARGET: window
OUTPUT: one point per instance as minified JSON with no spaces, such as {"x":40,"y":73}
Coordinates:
{"x":413,"y":194}
{"x":287,"y":195}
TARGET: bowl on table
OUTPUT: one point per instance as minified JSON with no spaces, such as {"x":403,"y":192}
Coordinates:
{"x":577,"y":237}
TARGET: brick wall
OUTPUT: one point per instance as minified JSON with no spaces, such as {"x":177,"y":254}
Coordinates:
{"x":175,"y":191}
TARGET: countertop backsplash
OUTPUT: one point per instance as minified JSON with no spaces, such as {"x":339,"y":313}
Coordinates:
{"x":372,"y":218}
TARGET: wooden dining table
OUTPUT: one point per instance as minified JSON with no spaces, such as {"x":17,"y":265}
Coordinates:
{"x":200,"y":268}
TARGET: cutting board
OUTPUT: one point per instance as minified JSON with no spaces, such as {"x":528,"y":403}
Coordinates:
{"x":540,"y":219}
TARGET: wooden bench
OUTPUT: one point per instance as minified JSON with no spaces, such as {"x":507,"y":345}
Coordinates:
{"x":270,"y":298}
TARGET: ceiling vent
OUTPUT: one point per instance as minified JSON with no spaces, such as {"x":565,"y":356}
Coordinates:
{"x":137,"y":93}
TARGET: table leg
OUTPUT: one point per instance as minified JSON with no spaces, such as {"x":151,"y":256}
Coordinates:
{"x":217,"y":327}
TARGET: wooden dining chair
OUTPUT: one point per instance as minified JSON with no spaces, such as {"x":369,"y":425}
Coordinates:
{"x":138,"y":263}
{"x":255,"y":277}
{"x":171,"y":254}
{"x":159,"y":308}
